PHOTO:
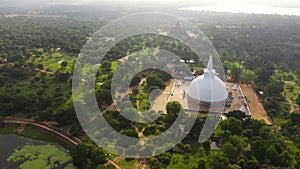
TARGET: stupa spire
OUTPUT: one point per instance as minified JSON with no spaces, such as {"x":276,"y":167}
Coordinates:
{"x":210,"y":64}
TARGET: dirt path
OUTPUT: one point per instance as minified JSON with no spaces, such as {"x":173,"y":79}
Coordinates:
{"x":292,"y":109}
{"x":257,"y":109}
{"x":119,"y":158}
{"x":142,"y":81}
{"x":140,"y":132}
{"x":110,"y":107}
{"x":21,"y":128}
{"x":292,"y":106}
{"x":44,"y":71}
{"x":115,"y":164}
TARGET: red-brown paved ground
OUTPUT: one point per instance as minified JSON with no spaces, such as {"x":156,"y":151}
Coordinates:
{"x":256,"y":108}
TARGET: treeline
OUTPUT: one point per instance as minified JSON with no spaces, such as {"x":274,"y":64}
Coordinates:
{"x":239,"y":37}
{"x":21,"y":34}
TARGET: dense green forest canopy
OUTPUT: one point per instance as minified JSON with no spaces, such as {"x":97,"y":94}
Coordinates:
{"x":37,"y":54}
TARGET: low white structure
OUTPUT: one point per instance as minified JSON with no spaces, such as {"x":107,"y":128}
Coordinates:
{"x":235,"y":87}
{"x":206,"y":90}
{"x":243,"y":109}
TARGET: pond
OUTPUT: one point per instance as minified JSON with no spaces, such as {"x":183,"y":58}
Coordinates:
{"x":23,"y":153}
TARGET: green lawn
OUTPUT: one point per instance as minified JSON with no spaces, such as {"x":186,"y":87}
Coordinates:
{"x":127,"y":164}
{"x":8,"y":128}
{"x":41,"y":134}
{"x":290,"y":91}
{"x":291,"y":88}
{"x":114,"y":66}
{"x":182,"y":161}
{"x":53,"y":61}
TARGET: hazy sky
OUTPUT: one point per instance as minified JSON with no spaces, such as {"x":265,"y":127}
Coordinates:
{"x":280,"y":3}
{"x":286,"y":7}
{"x":277,"y":3}
{"x":291,"y":7}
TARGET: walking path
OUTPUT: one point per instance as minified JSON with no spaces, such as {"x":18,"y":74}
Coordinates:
{"x":292,"y":106}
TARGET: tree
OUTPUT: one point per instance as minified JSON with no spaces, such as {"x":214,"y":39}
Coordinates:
{"x":265,"y":132}
{"x":234,"y":166}
{"x":155,"y":164}
{"x":130,"y":133}
{"x":286,"y":158}
{"x":272,"y":156}
{"x":230,"y":151}
{"x":106,"y":66}
{"x":251,"y":164}
{"x":252,"y":124}
{"x":264,"y":73}
{"x":88,"y":156}
{"x":295,"y":117}
{"x":104,"y":96}
{"x":274,"y":88}
{"x":165,"y":158}
{"x":62,"y":77}
{"x":135,"y":80}
{"x":218,"y":160}
{"x":114,"y":123}
{"x":1,"y":122}
{"x":79,"y":155}
{"x":201,"y":163}
{"x":233,"y":125}
{"x":298,"y":100}
{"x":248,"y":133}
{"x":236,"y":73}
{"x":259,"y":147}
{"x":164,"y":76}
{"x":98,"y":156}
{"x":236,"y":114}
{"x":248,"y":76}
{"x":173,"y":107}
{"x":154,"y":80}
{"x":2,"y":82}
{"x":40,"y":66}
{"x":18,"y":57}
{"x":64,"y":64}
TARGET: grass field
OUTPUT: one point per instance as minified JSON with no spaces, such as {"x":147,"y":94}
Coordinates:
{"x":35,"y":133}
{"x":40,"y":134}
{"x":291,"y":88}
{"x":8,"y":128}
{"x":127,"y":164}
{"x":52,"y":62}
{"x":182,"y":161}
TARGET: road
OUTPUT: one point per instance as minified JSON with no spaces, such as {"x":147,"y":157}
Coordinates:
{"x":61,"y":133}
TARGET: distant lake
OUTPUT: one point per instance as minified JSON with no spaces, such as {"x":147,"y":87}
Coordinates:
{"x":249,"y":9}
{"x":9,"y":143}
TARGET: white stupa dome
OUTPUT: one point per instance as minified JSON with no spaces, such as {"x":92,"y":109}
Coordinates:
{"x":208,"y":87}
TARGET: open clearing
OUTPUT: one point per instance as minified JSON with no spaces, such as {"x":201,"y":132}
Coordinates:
{"x":256,"y":108}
